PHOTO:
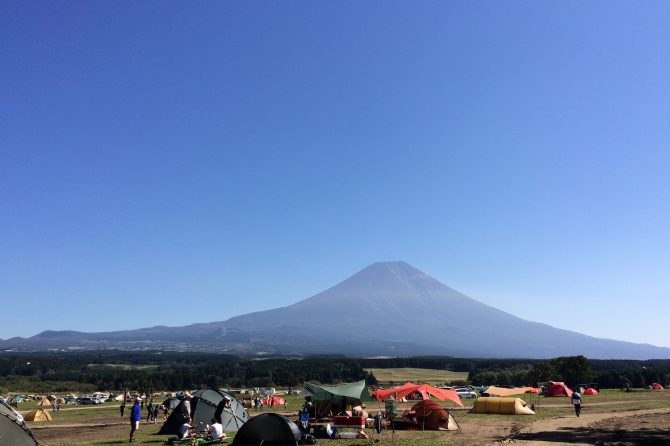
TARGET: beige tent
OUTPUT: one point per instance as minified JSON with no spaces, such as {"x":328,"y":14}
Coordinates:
{"x":498,"y":405}
{"x":118,"y":397}
{"x":503,"y":391}
{"x":38,"y":415}
{"x":45,"y":402}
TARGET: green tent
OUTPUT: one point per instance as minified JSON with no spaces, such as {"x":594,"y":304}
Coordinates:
{"x":326,"y":397}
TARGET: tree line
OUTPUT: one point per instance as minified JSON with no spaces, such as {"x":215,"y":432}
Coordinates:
{"x":107,"y":370}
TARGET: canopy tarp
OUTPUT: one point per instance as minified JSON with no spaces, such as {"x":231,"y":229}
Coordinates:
{"x":424,"y":389}
{"x":353,"y":392}
{"x":503,"y":391}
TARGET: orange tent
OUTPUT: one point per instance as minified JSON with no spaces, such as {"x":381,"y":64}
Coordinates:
{"x":423,"y":389}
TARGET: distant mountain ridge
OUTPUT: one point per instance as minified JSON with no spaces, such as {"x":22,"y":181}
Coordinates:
{"x":388,"y":308}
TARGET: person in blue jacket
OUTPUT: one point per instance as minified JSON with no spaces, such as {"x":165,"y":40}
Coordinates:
{"x":135,"y":416}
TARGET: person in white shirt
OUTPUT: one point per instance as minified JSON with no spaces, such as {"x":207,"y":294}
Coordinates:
{"x":185,"y":430}
{"x":216,"y":430}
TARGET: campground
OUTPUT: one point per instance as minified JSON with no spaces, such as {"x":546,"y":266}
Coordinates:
{"x":612,"y":418}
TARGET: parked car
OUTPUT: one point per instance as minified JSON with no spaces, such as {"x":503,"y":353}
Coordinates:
{"x":89,"y":400}
{"x":465,"y":392}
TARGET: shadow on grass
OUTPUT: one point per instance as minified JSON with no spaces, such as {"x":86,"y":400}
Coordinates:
{"x":601,"y":436}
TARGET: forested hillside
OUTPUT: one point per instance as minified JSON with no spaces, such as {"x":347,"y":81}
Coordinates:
{"x":173,"y":371}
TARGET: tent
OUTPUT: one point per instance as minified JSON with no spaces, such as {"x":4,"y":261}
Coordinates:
{"x":501,"y":405}
{"x":431,"y":416}
{"x":504,"y":391}
{"x":557,"y":389}
{"x":118,"y":398}
{"x":424,"y":389}
{"x":45,"y":402}
{"x":268,"y":429}
{"x":13,"y":430}
{"x":326,"y":397}
{"x":591,"y":391}
{"x":171,"y":403}
{"x":38,"y":415}
{"x":657,"y":386}
{"x":271,"y":401}
{"x":205,"y":405}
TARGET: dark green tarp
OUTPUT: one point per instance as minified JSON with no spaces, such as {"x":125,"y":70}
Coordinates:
{"x":355,"y":393}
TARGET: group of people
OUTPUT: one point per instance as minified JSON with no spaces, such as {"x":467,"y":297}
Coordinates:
{"x":154,"y":411}
{"x":213,"y":431}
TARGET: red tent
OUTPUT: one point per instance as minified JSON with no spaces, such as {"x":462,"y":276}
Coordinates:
{"x":533,"y":390}
{"x":274,"y":401}
{"x":558,"y":389}
{"x":591,"y":391}
{"x":424,"y":389}
{"x":657,"y":386}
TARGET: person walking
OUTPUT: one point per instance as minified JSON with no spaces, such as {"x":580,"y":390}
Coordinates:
{"x":135,"y":417}
{"x":122,"y":408}
{"x":577,"y":402}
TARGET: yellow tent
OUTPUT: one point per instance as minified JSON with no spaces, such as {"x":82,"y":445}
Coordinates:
{"x":507,"y":406}
{"x":45,"y":402}
{"x":503,"y":391}
{"x":38,"y":415}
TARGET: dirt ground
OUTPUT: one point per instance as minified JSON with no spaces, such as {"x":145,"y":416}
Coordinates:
{"x":598,"y":425}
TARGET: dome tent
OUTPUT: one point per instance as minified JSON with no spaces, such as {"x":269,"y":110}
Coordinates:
{"x":13,"y":430}
{"x":558,"y":389}
{"x":268,"y":429}
{"x":38,"y":415}
{"x":591,"y":391}
{"x":205,"y":405}
{"x":431,"y":416}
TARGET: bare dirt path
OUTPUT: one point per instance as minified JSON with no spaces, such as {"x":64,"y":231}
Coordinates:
{"x":621,"y":428}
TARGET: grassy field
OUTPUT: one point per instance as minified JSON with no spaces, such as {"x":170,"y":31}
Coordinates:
{"x":103,"y":425}
{"x":429,"y":376}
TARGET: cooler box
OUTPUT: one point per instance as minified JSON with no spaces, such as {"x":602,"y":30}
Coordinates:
{"x":354,"y":422}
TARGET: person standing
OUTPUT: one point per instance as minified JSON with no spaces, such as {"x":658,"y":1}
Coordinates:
{"x":135,"y":416}
{"x":150,"y":410}
{"x":577,"y":402}
{"x":122,"y":408}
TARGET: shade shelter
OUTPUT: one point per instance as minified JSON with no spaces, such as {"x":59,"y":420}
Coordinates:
{"x":326,"y":397}
{"x":503,"y":391}
{"x":205,"y":405}
{"x":13,"y":430}
{"x":268,"y":429}
{"x":426,"y":390}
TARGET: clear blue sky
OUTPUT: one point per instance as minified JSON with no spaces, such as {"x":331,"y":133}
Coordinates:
{"x":177,"y":162}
